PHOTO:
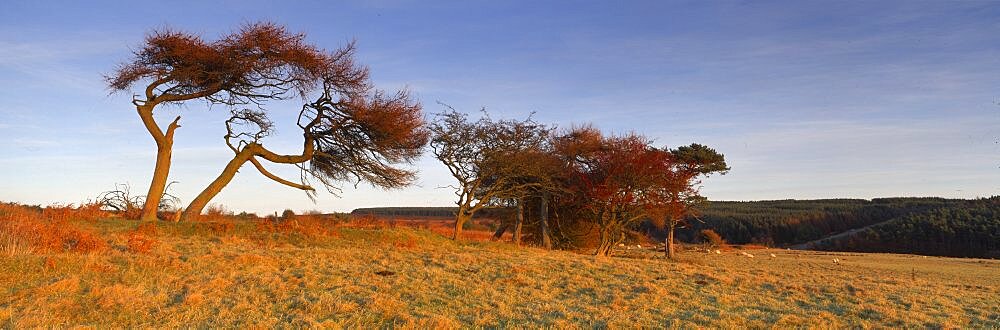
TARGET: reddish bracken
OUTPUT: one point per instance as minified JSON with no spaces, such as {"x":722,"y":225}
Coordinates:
{"x":142,"y":239}
{"x":51,"y":228}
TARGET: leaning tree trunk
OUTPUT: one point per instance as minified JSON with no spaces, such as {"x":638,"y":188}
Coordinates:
{"x":164,"y":150}
{"x":543,"y":215}
{"x":247,"y":154}
{"x":198,"y":203}
{"x":498,"y":234}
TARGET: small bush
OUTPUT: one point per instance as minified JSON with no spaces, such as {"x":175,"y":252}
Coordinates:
{"x":712,"y":238}
{"x":214,"y":212}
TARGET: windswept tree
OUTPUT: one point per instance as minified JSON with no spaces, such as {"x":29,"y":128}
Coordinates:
{"x":489,"y":159}
{"x":349,"y":133}
{"x":257,"y":63}
{"x":615,"y":183}
{"x":678,"y":194}
{"x":612,"y":179}
{"x":531,"y":172}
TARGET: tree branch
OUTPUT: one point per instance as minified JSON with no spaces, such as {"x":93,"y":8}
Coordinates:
{"x":271,"y":176}
{"x":169,"y":137}
{"x":307,"y":153}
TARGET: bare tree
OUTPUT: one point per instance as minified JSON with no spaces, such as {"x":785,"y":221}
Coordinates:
{"x":122,"y":202}
{"x":486,"y":157}
{"x":259,"y":62}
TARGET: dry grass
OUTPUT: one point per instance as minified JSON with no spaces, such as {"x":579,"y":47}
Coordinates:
{"x":316,"y":272}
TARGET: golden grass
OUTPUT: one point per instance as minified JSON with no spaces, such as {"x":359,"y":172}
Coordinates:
{"x":373,"y":276}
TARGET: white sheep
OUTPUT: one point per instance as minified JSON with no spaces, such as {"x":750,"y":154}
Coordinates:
{"x":836,"y":261}
{"x":773,"y":256}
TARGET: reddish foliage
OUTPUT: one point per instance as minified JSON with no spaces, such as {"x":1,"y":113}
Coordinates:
{"x":142,"y":239}
{"x":260,"y":61}
{"x":50,"y":228}
{"x":86,"y":212}
{"x":712,"y":238}
{"x":216,"y":220}
{"x":139,"y":243}
{"x":615,"y":182}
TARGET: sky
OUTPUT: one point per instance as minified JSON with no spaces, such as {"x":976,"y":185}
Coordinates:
{"x":806,"y":99}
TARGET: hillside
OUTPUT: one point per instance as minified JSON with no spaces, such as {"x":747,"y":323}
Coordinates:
{"x":788,"y":222}
{"x":969,"y":228}
{"x":323,"y":272}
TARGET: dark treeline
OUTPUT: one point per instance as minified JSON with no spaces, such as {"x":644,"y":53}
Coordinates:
{"x":959,"y":229}
{"x":788,"y":222}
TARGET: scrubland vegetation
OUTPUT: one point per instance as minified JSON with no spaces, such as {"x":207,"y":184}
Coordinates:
{"x":64,"y":266}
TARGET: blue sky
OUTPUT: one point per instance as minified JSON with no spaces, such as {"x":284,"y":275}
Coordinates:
{"x":806,"y":99}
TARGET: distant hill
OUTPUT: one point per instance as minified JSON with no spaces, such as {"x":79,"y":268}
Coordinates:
{"x":965,"y":228}
{"x":789,"y":222}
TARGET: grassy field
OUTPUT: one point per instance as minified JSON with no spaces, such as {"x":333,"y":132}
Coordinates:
{"x":233,"y":273}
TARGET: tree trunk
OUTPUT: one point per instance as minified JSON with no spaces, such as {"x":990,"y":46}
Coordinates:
{"x":669,"y":243}
{"x":605,"y":245}
{"x":519,"y":222}
{"x":159,"y":182}
{"x":497,"y":235}
{"x":198,"y":203}
{"x":543,"y":215}
{"x":460,"y":219}
{"x":164,"y":150}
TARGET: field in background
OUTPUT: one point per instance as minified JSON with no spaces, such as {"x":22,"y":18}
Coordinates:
{"x":478,"y":229}
{"x":312,"y":271}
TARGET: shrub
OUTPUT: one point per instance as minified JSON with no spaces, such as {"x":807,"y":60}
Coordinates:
{"x":32,"y":228}
{"x":215,"y":212}
{"x":712,"y":238}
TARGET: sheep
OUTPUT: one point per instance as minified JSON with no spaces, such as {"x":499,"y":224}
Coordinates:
{"x":746,"y":254}
{"x":836,"y":261}
{"x":773,"y":256}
